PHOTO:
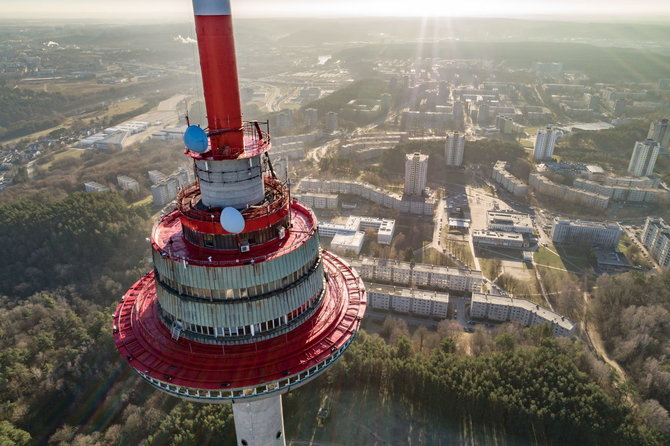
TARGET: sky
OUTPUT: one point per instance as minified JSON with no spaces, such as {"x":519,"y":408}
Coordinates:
{"x":180,"y":10}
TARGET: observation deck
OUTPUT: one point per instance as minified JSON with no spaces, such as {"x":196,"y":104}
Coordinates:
{"x":168,"y":241}
{"x":225,"y":373}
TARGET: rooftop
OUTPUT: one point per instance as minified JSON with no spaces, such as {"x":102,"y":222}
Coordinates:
{"x":544,"y":313}
{"x":407,"y":292}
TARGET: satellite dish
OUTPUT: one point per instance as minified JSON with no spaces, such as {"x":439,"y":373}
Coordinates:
{"x":232,"y":220}
{"x":195,"y":139}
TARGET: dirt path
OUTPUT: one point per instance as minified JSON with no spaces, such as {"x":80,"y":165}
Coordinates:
{"x":597,"y":343}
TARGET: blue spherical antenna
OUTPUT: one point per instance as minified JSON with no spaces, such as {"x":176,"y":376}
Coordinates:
{"x":232,"y":220}
{"x":195,"y":139}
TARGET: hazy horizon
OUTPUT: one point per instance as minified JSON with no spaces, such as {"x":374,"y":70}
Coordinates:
{"x":126,"y":11}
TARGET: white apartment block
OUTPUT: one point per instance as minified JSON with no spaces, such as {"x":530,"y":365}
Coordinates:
{"x":508,"y":221}
{"x":586,"y":233}
{"x":279,"y":142}
{"x":94,"y":186}
{"x":156,"y":176}
{"x":416,"y":173}
{"x":418,"y":274}
{"x":419,"y":205}
{"x":656,"y":238}
{"x":644,"y":157}
{"x":508,"y":181}
{"x":659,"y":131}
{"x":160,"y":194}
{"x":165,"y":190}
{"x":127,"y":183}
{"x":545,"y":140}
{"x":543,"y":185}
{"x":454,"y":148}
{"x":507,"y":309}
{"x":624,"y":192}
{"x":405,"y":300}
{"x":318,"y":201}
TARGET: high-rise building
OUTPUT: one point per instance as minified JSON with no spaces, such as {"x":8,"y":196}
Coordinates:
{"x":241,"y":304}
{"x":284,"y":119}
{"x":457,"y":110}
{"x":644,"y":158}
{"x":656,"y":238}
{"x":332,"y":122}
{"x":659,"y":131}
{"x":544,"y":143}
{"x":416,"y":173}
{"x":311,"y":117}
{"x":453,"y":149}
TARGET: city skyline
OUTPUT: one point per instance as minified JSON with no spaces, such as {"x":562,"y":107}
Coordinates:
{"x":174,"y":10}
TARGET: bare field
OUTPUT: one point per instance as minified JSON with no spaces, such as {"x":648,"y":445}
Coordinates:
{"x":67,"y":88}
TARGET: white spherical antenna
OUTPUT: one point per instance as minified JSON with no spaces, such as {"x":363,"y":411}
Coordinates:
{"x":232,"y":220}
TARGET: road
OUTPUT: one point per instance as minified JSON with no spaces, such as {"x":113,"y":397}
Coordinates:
{"x":643,"y":249}
{"x":319,"y":152}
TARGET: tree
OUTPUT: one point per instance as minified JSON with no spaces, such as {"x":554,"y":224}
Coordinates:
{"x":10,"y":435}
{"x":448,"y":345}
{"x":404,"y":348}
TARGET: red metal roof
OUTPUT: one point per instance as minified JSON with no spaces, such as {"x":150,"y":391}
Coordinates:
{"x":140,"y":335}
{"x":168,"y":239}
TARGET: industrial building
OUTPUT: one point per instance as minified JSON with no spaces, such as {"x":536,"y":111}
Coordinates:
{"x":115,"y":141}
{"x":586,"y":233}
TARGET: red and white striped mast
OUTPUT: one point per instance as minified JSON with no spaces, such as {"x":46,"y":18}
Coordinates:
{"x":242,"y":305}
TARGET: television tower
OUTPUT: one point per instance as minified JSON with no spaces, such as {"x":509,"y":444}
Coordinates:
{"x":242,"y":305}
